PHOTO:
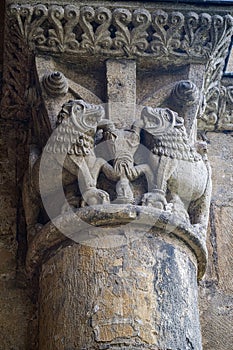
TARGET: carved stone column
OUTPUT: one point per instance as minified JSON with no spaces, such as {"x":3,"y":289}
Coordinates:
{"x":130,"y":286}
{"x":117,"y":199}
{"x":118,"y":268}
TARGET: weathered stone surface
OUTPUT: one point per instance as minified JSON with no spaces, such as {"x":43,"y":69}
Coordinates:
{"x":78,"y":226}
{"x":229,"y":68}
{"x":216,"y":289}
{"x":157,"y":35}
{"x":140,"y":294}
{"x":215,"y":293}
{"x":216,"y":318}
{"x":14,"y":316}
{"x":15,"y":304}
{"x":131,"y":27}
{"x":224,"y":242}
{"x":121,"y":85}
{"x":8,"y":259}
{"x":221,"y":158}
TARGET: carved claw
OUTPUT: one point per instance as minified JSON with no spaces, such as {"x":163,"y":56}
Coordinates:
{"x":155,"y":199}
{"x":95,"y":196}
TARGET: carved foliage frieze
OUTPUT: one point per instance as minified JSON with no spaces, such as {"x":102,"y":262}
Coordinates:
{"x":218,"y":109}
{"x":226,"y":109}
{"x":172,"y":37}
{"x":121,"y":32}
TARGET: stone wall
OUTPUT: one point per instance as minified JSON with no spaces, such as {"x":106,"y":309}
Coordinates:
{"x":216,"y":289}
{"x":15,"y":304}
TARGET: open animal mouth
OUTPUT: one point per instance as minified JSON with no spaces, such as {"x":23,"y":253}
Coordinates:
{"x":92,"y":115}
{"x":160,"y":120}
{"x":86,"y":116}
{"x":92,"y":119}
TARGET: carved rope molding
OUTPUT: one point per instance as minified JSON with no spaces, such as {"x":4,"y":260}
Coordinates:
{"x":122,"y":32}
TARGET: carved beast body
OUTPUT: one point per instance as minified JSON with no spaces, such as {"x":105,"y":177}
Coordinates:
{"x":67,"y":157}
{"x":181,"y":176}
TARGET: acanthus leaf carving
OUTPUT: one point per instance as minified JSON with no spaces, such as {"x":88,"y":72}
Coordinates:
{"x":135,"y":40}
{"x":16,"y":77}
{"x":139,"y":37}
{"x":202,"y":44}
{"x":167,"y":37}
{"x":23,"y":15}
{"x":172,"y":36}
{"x":129,"y":32}
{"x":71,"y":15}
{"x":218,"y":107}
{"x":88,"y":36}
{"x":213,"y":92}
{"x":225,"y":121}
{"x":95,"y":38}
{"x":190,"y":25}
{"x":37,"y":33}
{"x":159,"y":37}
{"x":221,"y":33}
{"x":103,"y":39}
{"x":121,"y":19}
{"x":56,"y":33}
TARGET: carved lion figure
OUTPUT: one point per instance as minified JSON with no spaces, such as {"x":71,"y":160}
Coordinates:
{"x":68,"y":161}
{"x":181,"y":177}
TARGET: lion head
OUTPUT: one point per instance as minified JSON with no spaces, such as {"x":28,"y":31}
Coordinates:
{"x":160,"y":120}
{"x":76,"y":128}
{"x":164,"y":133}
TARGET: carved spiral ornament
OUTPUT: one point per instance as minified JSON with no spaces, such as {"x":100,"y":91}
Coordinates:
{"x":185,"y":92}
{"x":55,"y":84}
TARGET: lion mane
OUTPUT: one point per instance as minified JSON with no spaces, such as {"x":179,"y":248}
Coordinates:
{"x":164,"y":134}
{"x":75,"y":128}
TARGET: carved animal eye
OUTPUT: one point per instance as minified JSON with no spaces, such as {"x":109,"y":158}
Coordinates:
{"x":79,"y":107}
{"x":133,"y":140}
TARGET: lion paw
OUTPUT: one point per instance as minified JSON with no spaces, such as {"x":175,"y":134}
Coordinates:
{"x":155,"y":199}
